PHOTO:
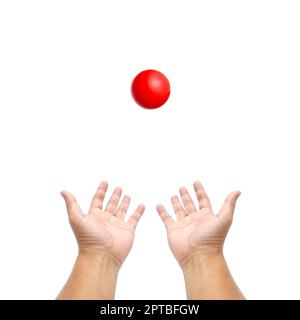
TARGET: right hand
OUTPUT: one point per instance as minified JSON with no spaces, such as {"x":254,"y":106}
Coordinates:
{"x":197,"y":231}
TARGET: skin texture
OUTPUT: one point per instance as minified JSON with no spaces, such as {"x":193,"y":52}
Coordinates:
{"x":104,"y":240}
{"x":196,"y":239}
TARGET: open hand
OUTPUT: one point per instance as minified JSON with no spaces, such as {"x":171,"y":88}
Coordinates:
{"x":104,"y":230}
{"x":197,"y":230}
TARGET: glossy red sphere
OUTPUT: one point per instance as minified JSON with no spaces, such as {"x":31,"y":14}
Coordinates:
{"x":150,"y":89}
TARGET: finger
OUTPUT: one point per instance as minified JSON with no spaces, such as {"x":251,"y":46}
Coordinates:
{"x":201,"y":196}
{"x":187,"y":201}
{"x":122,"y":210}
{"x":73,"y":208}
{"x":227,"y":210}
{"x":136,"y":216}
{"x":178,"y":208}
{"x":97,"y":201}
{"x":114,"y":201}
{"x":166,"y":218}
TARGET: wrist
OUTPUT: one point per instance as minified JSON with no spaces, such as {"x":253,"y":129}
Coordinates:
{"x":199,"y":261}
{"x":101,"y":260}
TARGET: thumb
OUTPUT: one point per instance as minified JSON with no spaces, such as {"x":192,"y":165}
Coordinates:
{"x":227,"y":210}
{"x":73,"y":208}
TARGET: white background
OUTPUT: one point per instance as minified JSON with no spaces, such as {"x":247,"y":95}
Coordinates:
{"x":67,"y":121}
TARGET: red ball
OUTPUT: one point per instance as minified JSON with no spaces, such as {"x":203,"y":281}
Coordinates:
{"x":150,"y":89}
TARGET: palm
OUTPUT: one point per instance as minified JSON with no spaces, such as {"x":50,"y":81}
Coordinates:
{"x":196,"y":229}
{"x":104,"y":230}
{"x":194,"y":232}
{"x":101,"y":230}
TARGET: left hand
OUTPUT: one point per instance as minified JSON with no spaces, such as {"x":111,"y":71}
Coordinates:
{"x":104,"y":230}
